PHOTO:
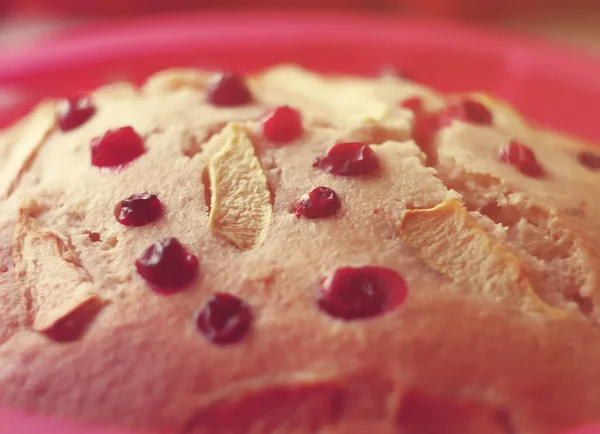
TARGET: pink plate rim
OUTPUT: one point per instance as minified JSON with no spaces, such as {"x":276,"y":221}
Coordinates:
{"x":123,"y":38}
{"x":508,"y":64}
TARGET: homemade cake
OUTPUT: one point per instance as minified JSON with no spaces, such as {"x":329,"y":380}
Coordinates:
{"x":293,"y":253}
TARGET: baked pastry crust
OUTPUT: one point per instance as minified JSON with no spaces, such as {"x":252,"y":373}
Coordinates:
{"x":498,"y":334}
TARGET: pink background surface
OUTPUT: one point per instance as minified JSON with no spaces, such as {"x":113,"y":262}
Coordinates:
{"x":575,"y":26}
{"x":522,"y":71}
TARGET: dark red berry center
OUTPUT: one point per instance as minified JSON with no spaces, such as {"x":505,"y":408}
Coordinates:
{"x":521,"y":157}
{"x":467,"y":111}
{"x":319,"y":203}
{"x":225,"y":319}
{"x":138,"y":210}
{"x":74,"y":112}
{"x":228,"y":89}
{"x":117,"y":147}
{"x":167,"y":264}
{"x":353,"y":293}
{"x":348,"y":159}
{"x":589,"y":160}
{"x":282,"y":125}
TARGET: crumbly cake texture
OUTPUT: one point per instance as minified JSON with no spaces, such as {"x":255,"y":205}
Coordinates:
{"x":497,"y":332}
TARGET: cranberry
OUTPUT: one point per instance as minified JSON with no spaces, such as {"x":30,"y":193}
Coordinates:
{"x":467,"y":111}
{"x":117,"y":147}
{"x":282,"y":125}
{"x":320,"y":202}
{"x":348,"y":159}
{"x":589,"y":160}
{"x":74,"y":112}
{"x":228,"y":89}
{"x":138,"y":210}
{"x":353,"y":293}
{"x":414,"y":104}
{"x":224,"y":319}
{"x":167,"y":264}
{"x":522,"y":158}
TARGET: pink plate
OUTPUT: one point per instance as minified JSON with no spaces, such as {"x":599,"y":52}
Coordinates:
{"x":552,"y":85}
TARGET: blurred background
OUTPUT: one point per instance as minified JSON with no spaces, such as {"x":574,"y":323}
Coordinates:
{"x":575,"y":22}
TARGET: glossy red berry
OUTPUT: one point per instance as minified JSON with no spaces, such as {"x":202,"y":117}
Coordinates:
{"x":138,"y":210}
{"x":282,"y":125}
{"x":228,"y":89}
{"x":74,"y":112}
{"x":354,"y":293}
{"x":319,"y":203}
{"x":521,"y":157}
{"x":225,"y":319}
{"x":589,"y":160}
{"x":167,"y":264}
{"x":467,"y":111}
{"x":116,"y":147}
{"x":348,"y":159}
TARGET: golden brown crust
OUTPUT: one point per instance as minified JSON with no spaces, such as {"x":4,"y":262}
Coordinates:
{"x":498,"y":334}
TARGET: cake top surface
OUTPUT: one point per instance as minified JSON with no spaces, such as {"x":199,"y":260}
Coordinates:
{"x":344,"y":252}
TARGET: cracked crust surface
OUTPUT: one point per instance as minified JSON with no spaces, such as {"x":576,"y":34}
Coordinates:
{"x":498,"y":335}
